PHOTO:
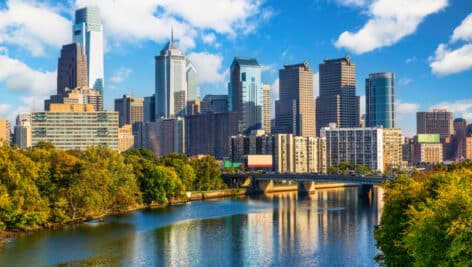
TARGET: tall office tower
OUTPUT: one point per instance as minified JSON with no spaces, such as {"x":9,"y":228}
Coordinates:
{"x":214,"y":103}
{"x":266,"y":108}
{"x":88,"y":31}
{"x":149,"y":108}
{"x":130,"y":109}
{"x":379,"y":98}
{"x":337,"y":102}
{"x":460,"y":130}
{"x":437,"y":122}
{"x":22,"y":131}
{"x":295,"y":109}
{"x":71,"y":68}
{"x":192,"y":82}
{"x":171,"y":82}
{"x":4,"y":132}
{"x":245,"y":93}
{"x":96,"y":127}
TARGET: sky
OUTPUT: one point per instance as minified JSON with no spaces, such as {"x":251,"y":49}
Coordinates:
{"x":426,"y":43}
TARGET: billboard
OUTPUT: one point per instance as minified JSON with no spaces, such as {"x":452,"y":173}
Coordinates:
{"x":259,"y":161}
{"x":429,"y":138}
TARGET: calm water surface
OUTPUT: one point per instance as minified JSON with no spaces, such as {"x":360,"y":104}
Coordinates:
{"x":330,"y":228}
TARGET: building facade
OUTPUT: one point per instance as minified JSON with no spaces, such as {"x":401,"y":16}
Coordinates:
{"x":295,"y":109}
{"x":71,"y":68}
{"x":192,"y":82}
{"x":171,"y":134}
{"x":337,"y":102}
{"x":380,"y":98}
{"x":75,"y":126}
{"x":439,"y":121}
{"x":80,"y":95}
{"x":4,"y":132}
{"x":245,"y":94}
{"x":266,"y":108}
{"x":130,"y":108}
{"x":22,"y":131}
{"x":214,"y":103}
{"x":88,"y":32}
{"x":125,"y":138}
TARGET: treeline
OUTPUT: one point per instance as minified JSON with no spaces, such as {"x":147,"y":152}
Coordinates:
{"x":45,"y":186}
{"x":427,"y":219}
{"x":347,"y":168}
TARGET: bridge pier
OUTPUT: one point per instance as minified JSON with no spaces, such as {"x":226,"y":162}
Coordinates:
{"x":306,"y":187}
{"x":264,"y":186}
{"x":365,"y":190}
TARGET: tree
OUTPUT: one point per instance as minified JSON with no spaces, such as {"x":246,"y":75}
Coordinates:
{"x":208,"y":173}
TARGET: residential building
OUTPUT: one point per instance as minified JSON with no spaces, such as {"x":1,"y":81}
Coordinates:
{"x":75,"y":126}
{"x":427,"y":149}
{"x":4,"y":132}
{"x":295,"y":109}
{"x":88,"y":32}
{"x":380,"y":99}
{"x":245,"y":93}
{"x":337,"y":102}
{"x":171,"y":81}
{"x":130,"y":108}
{"x":125,"y":138}
{"x":266,"y":108}
{"x":439,"y":121}
{"x":71,"y":68}
{"x":392,"y":148}
{"x":22,"y":131}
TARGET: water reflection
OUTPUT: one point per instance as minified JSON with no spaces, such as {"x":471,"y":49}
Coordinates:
{"x":329,"y":228}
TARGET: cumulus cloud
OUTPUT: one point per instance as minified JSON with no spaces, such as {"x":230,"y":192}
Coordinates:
{"x":458,"y":107}
{"x":20,"y":77}
{"x":448,"y":60}
{"x":209,"y":67}
{"x":403,"y":108}
{"x":390,"y":21}
{"x":405,"y":117}
{"x":120,"y":75}
{"x":353,"y":3}
{"x":33,"y":26}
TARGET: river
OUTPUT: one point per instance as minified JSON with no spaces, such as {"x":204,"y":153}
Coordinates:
{"x":332,"y":227}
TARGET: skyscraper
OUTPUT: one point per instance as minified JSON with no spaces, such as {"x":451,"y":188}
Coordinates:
{"x":171,"y":82}
{"x":295,"y":109}
{"x":130,"y":109}
{"x":379,"y":97}
{"x":71,"y":68}
{"x":192,"y":82}
{"x":337,"y":102}
{"x":88,"y":32}
{"x":437,"y":122}
{"x":266,"y":108}
{"x":245,"y":93}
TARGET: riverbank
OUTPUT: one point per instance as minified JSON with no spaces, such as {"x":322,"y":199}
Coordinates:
{"x":5,"y":236}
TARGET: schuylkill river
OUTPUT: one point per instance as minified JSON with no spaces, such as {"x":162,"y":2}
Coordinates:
{"x":332,"y":227}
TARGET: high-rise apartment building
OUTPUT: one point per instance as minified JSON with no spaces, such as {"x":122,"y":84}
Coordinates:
{"x":377,"y":148}
{"x":245,"y":93}
{"x":295,"y":109}
{"x":4,"y":132}
{"x":22,"y":131}
{"x":427,"y":149}
{"x":71,"y":68}
{"x":379,"y":97}
{"x":171,"y":82}
{"x":130,"y":108}
{"x":337,"y":102}
{"x":439,"y":121}
{"x":75,"y":126}
{"x":266,"y":108}
{"x":88,"y":32}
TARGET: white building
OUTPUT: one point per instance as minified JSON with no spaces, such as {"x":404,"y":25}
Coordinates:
{"x":88,"y":31}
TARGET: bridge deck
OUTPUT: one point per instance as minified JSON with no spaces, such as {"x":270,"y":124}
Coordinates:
{"x":308,"y":177}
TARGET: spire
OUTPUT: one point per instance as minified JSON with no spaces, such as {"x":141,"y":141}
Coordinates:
{"x":172,"y":35}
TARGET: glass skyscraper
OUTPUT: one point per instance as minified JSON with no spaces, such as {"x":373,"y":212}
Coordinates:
{"x":379,"y":95}
{"x":245,"y":93}
{"x":88,"y":31}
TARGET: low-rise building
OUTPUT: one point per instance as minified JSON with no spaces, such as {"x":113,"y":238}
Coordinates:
{"x":125,"y":138}
{"x":4,"y":132}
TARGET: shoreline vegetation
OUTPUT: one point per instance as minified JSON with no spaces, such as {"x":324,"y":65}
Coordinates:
{"x":427,"y":218}
{"x":43,"y":187}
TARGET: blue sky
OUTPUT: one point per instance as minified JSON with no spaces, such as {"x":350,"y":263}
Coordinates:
{"x":426,"y":43}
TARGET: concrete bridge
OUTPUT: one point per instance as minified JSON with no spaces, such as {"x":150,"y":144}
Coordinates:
{"x":264,"y":182}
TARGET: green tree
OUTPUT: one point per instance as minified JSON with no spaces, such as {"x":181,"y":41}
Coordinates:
{"x":208,"y":173}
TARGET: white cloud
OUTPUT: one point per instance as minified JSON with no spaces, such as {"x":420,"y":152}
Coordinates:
{"x":209,"y":38}
{"x":449,"y":61}
{"x":390,"y":22}
{"x":208,"y":66}
{"x":405,"y":117}
{"x":354,"y":3}
{"x":21,"y":78}
{"x":27,"y":105}
{"x":33,"y":26}
{"x":268,"y":68}
{"x":4,"y":108}
{"x":120,"y":75}
{"x":410,"y":60}
{"x":464,"y":31}
{"x":459,"y":106}
{"x":405,"y":81}
{"x":403,"y":108}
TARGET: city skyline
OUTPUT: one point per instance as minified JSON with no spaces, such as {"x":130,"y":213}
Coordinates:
{"x":252,"y":29}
